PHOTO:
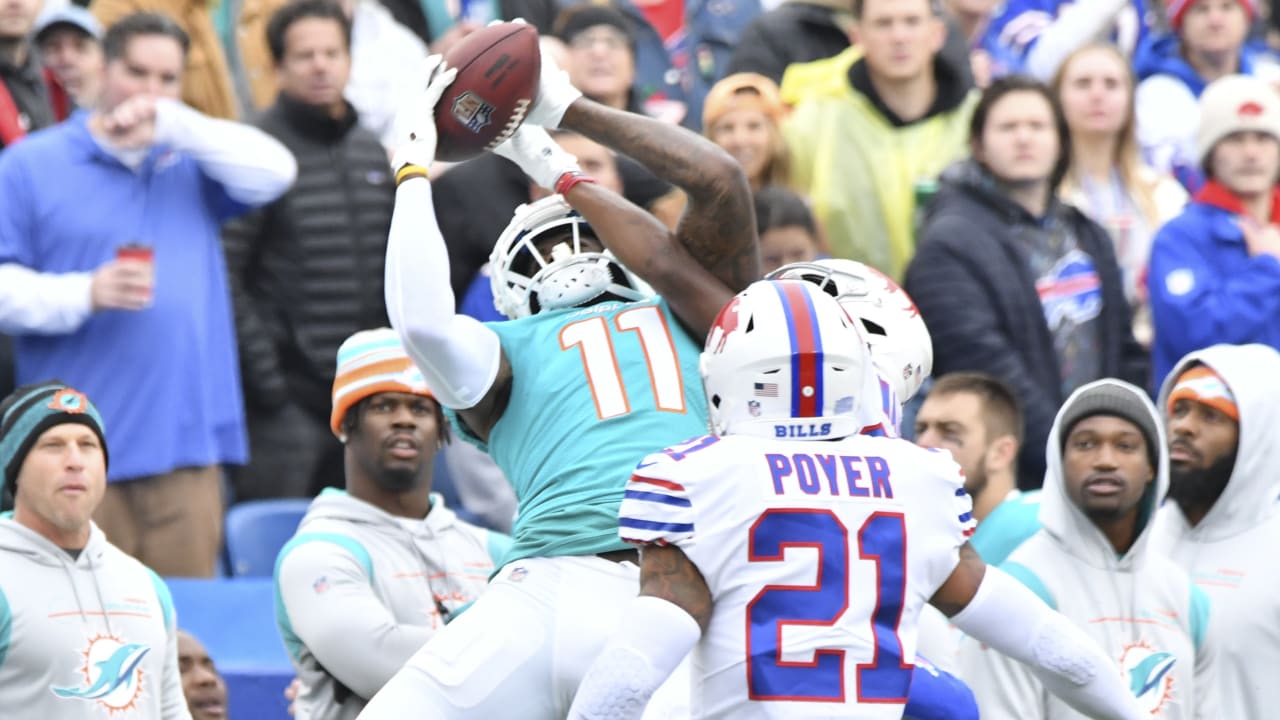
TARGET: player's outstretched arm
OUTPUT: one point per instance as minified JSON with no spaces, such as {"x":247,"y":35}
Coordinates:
{"x":658,"y":631}
{"x":718,"y":227}
{"x":461,"y":359}
{"x":637,"y":238}
{"x":997,"y":610}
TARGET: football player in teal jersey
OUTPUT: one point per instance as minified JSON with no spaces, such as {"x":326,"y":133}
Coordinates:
{"x":591,"y":372}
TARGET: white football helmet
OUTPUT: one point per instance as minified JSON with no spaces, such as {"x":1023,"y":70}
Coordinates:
{"x":898,"y":336}
{"x":573,"y":278}
{"x":783,"y":360}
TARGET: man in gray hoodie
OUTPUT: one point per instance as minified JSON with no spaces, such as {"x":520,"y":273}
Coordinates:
{"x":1094,"y":562}
{"x":375,"y":569}
{"x":85,"y":630}
{"x":1221,"y":521}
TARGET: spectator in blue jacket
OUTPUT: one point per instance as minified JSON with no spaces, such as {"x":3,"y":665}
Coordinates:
{"x":1215,"y":269}
{"x":112,"y":277}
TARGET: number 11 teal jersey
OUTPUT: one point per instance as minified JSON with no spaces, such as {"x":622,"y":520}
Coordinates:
{"x":594,"y":391}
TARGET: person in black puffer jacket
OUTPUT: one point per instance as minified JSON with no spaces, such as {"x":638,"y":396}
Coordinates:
{"x":306,"y":271}
{"x":1014,"y":283}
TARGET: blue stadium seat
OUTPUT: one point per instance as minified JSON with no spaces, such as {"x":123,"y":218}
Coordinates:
{"x":256,"y":530}
{"x":235,"y":619}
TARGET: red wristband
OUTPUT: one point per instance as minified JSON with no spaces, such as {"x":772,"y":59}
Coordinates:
{"x":569,"y":179}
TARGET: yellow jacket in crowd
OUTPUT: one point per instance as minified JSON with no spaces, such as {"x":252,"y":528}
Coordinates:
{"x":858,"y":168}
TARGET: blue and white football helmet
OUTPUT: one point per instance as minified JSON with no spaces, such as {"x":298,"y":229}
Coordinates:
{"x":784,"y":360}
{"x":573,"y":278}
{"x":889,"y":319}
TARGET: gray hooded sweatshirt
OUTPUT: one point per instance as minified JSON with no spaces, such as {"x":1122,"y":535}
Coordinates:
{"x":358,"y":591}
{"x":87,"y":639}
{"x":1231,"y":553}
{"x":1141,"y":608}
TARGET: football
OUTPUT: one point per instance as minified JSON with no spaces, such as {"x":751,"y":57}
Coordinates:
{"x":498,"y":68}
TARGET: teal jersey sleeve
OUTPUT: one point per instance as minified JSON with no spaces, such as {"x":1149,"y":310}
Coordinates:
{"x":1007,"y":527}
{"x":594,"y":391}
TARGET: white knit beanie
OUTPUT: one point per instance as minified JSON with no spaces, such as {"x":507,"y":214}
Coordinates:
{"x":1232,"y":104}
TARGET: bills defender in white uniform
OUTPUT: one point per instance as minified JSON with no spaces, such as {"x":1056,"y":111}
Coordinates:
{"x":796,"y":554}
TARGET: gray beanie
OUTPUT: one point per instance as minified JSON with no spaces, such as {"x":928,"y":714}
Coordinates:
{"x":1117,"y":399}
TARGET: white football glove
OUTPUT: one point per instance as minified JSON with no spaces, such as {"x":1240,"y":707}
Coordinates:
{"x":555,"y":92}
{"x":420,"y":147}
{"x":544,"y":161}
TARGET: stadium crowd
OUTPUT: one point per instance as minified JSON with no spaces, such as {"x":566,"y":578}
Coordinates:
{"x":233,"y":272}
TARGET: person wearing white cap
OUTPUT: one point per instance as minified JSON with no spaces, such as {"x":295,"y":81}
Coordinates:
{"x":1215,"y":269}
{"x":375,"y":569}
{"x":70,"y":43}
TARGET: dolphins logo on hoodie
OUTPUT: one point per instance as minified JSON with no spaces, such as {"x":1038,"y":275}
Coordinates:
{"x":1150,"y":675}
{"x":112,"y":674}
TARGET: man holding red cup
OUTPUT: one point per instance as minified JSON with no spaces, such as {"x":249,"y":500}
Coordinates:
{"x":88,"y":209}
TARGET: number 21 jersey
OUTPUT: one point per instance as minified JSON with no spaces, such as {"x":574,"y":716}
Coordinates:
{"x":819,"y":556}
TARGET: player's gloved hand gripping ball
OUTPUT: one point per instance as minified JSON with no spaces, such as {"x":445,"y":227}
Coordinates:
{"x":497,"y":82}
{"x":539,"y":156}
{"x":420,"y":147}
{"x":555,"y":92}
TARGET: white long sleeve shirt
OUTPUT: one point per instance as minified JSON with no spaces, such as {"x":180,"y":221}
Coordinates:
{"x":253,"y":167}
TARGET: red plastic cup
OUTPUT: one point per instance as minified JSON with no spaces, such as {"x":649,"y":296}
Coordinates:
{"x":140,"y":253}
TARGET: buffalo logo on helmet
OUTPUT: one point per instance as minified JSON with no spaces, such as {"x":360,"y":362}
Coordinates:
{"x":472,"y":111}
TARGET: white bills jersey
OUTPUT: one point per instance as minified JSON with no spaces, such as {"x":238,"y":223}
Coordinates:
{"x":819,"y":556}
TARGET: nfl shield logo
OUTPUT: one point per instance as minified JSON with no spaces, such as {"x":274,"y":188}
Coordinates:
{"x":472,"y":111}
{"x":753,"y":407}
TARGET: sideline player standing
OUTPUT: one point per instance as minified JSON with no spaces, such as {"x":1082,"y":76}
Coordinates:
{"x":798,"y":568}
